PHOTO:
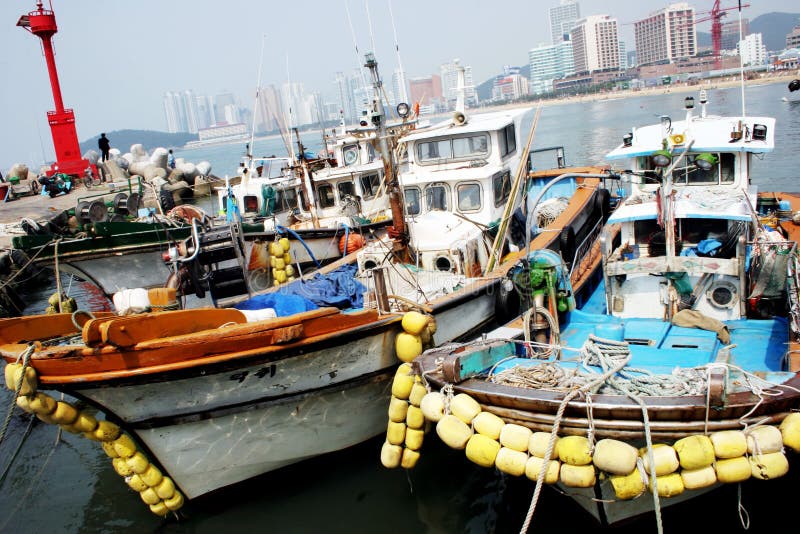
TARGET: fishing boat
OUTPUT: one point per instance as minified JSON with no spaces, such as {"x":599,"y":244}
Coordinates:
{"x":205,"y":398}
{"x":678,"y":374}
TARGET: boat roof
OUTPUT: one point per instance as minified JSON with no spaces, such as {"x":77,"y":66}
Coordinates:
{"x":479,"y":122}
{"x":710,"y":134}
{"x":693,"y":203}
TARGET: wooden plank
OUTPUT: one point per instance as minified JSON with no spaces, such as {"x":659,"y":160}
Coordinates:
{"x":460,"y":366}
{"x":130,"y":330}
{"x":38,"y":327}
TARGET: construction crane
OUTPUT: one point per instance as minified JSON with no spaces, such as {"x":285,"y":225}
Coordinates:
{"x":715,"y":16}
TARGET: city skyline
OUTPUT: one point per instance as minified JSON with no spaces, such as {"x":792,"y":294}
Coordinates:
{"x":115,"y":76}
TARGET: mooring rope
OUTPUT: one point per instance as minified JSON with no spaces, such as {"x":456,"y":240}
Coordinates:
{"x":25,"y":356}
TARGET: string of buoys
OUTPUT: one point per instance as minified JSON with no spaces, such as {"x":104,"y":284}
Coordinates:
{"x":406,"y":427}
{"x":418,"y":330}
{"x":693,"y":462}
{"x":155,"y":489}
{"x":280,"y":259}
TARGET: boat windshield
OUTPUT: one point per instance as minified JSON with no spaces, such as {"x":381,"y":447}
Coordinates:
{"x":454,"y":148}
{"x":370,"y":184}
{"x":412,"y":197}
{"x":705,"y":168}
{"x":436,"y":197}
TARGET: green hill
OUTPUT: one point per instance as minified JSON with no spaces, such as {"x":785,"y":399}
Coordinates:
{"x":774,"y":27}
{"x":123,"y":139}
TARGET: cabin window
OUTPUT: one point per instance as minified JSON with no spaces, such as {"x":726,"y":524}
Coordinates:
{"x":457,"y":148}
{"x":250,"y":204}
{"x":412,"y":197}
{"x":469,"y":197}
{"x":508,"y":140}
{"x":350,"y":154}
{"x":501,"y":187}
{"x":286,"y":198}
{"x":302,"y":196}
{"x":345,"y":189}
{"x":436,"y":197}
{"x":272,"y":168}
{"x":370,"y":153}
{"x":325,"y":196}
{"x":370,"y":185}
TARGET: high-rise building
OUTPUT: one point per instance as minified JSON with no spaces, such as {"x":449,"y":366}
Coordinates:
{"x":510,"y":85}
{"x":548,"y":63}
{"x":793,"y":38}
{"x":730,"y":33}
{"x":190,"y":107}
{"x":595,"y":44}
{"x":666,"y":35}
{"x":562,"y":19}
{"x":425,"y":90}
{"x":173,"y":111}
{"x":221,"y":101}
{"x":268,"y":109}
{"x":449,"y":77}
{"x":752,"y":50}
{"x":205,"y":111}
{"x":399,"y":86}
{"x":347,"y":101}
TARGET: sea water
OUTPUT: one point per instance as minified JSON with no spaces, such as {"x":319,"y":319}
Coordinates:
{"x":71,"y":486}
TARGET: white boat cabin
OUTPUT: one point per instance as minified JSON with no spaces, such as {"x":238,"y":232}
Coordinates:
{"x":457,"y":180}
{"x":695,"y":173}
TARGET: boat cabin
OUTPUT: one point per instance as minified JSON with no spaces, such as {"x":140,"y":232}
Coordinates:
{"x":688,"y":220}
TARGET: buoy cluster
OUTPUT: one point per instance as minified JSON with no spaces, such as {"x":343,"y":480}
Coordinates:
{"x":693,"y":462}
{"x":68,"y":304}
{"x":406,"y":427}
{"x":155,"y":489}
{"x":418,"y":330}
{"x":280,"y":259}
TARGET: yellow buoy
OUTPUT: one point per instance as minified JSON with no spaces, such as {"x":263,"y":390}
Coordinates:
{"x":160,"y":508}
{"x":42,"y":404}
{"x":664,"y":456}
{"x":790,"y":430}
{"x":149,"y":496}
{"x":577,"y":476}
{"x":515,"y":437}
{"x":151,"y":476}
{"x":414,"y":437}
{"x":415,"y":418}
{"x":733,"y":470}
{"x":669,"y":485}
{"x":287,"y":259}
{"x":407,"y":346}
{"x":397,"y":409}
{"x":538,"y":444}
{"x":106,"y":431}
{"x":276,"y":249}
{"x":628,"y":486}
{"x":694,"y":452}
{"x":453,"y":431}
{"x":482,"y":450}
{"x":769,"y":466}
{"x":401,"y":386}
{"x":165,"y":488}
{"x":391,"y":455}
{"x":574,"y":450}
{"x":414,"y":322}
{"x":289,"y":272}
{"x":404,"y":369}
{"x":124,"y":446}
{"x":699,"y":478}
{"x":729,"y":443}
{"x":84,"y":423}
{"x":764,"y":440}
{"x":464,"y":407}
{"x":135,"y":483}
{"x":488,"y":424}
{"x":534,"y":466}
{"x":511,"y":461}
{"x":615,"y":457}
{"x":108,"y":448}
{"x":175,"y":502}
{"x":286,"y":245}
{"x":24,"y":403}
{"x":418,"y":391}
{"x":396,"y":433}
{"x":14,"y":376}
{"x":121,"y":467}
{"x":409,"y":459}
{"x":138,"y":463}
{"x":432,"y":406}
{"x":64,"y":414}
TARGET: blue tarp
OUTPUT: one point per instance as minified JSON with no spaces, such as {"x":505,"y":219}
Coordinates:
{"x":338,"y":288}
{"x":283,"y":304}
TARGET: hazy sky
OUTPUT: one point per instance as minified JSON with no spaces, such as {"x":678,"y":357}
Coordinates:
{"x":116,"y":59}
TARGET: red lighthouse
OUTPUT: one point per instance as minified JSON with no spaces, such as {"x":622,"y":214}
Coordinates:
{"x":42,"y":24}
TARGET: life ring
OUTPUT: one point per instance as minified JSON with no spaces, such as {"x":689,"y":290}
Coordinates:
{"x":602,"y":202}
{"x":566,"y":243}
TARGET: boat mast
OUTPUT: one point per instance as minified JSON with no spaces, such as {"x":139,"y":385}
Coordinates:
{"x":255,"y":107}
{"x":398,"y":230}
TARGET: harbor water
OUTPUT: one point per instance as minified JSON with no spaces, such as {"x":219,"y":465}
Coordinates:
{"x":64,"y":483}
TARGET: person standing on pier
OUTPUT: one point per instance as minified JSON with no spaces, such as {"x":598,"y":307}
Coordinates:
{"x":170,"y":159}
{"x":104,"y":145}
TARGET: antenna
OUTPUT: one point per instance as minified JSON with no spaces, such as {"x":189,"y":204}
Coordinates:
{"x":355,"y":45}
{"x":369,"y":23}
{"x":258,"y":94}
{"x":403,"y":95}
{"x":741,"y":60}
{"x":289,"y":99}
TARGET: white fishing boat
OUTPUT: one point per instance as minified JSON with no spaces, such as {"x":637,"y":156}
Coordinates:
{"x":679,"y":373}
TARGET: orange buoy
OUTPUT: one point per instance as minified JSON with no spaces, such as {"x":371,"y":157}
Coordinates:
{"x":353,"y":242}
